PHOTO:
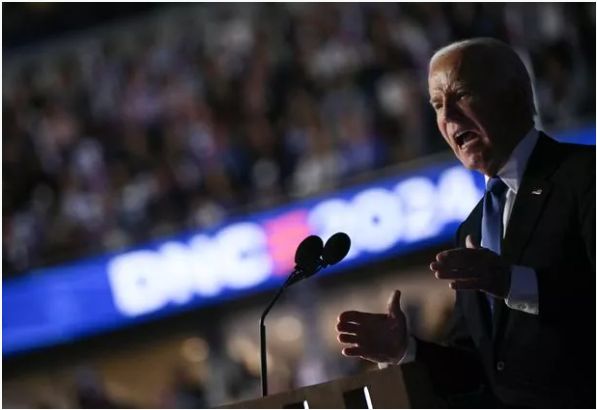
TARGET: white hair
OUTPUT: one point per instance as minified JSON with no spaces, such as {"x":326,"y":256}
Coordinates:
{"x":496,"y":53}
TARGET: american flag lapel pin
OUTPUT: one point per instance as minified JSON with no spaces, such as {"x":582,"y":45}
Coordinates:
{"x":537,"y":191}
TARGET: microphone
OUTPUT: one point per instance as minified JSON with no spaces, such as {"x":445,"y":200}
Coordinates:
{"x":336,"y":248}
{"x":308,"y":252}
{"x":311,"y":256}
{"x":307,"y":259}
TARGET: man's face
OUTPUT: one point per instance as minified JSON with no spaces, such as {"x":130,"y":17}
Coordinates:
{"x":470,"y":112}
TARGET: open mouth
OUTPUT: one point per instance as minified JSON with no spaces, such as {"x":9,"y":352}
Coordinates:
{"x":465,"y":138}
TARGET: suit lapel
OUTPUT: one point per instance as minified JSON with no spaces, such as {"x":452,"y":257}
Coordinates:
{"x":531,"y":198}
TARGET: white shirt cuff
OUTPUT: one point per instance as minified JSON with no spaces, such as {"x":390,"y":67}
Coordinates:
{"x":409,"y":355}
{"x":524,"y":292}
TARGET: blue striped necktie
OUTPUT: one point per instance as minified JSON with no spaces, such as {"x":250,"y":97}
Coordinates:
{"x":492,"y":226}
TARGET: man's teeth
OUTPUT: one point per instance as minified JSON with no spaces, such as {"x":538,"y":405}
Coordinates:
{"x":465,"y":138}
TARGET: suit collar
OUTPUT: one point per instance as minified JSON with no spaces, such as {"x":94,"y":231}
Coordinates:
{"x":544,"y":159}
{"x":513,"y":171}
{"x":533,"y":191}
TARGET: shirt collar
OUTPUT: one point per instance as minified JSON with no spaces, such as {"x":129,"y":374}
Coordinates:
{"x":512,"y":172}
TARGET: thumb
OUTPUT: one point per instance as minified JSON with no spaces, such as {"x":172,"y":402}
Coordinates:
{"x":470,"y":243}
{"x":394,"y":309}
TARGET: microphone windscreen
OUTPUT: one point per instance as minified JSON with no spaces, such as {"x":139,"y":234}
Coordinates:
{"x":336,"y":248}
{"x":308,"y":252}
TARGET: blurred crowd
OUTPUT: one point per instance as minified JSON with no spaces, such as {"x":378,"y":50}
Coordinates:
{"x":194,"y":123}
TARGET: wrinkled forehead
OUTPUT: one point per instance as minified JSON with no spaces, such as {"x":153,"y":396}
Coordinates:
{"x":460,"y":68}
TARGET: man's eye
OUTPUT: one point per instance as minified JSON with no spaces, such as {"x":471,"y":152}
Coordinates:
{"x":462,"y":95}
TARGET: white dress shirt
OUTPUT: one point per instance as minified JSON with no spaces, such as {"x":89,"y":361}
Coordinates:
{"x":524,"y":293}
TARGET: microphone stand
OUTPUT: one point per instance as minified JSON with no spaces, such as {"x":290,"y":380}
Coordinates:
{"x":262,"y":336}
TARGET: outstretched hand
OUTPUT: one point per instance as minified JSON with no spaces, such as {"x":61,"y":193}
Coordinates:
{"x":377,"y":337}
{"x":473,"y":268}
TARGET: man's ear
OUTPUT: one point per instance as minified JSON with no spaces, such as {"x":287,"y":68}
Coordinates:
{"x":516,"y":99}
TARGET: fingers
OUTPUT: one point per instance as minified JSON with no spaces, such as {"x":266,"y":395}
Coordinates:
{"x":458,"y":274}
{"x":467,"y":285}
{"x":461,"y":258}
{"x":394,"y":304}
{"x":360,"y":318}
{"x":347,"y":327}
{"x":455,"y":258}
{"x":354,"y":351}
{"x":350,"y":339}
{"x":470,"y":242}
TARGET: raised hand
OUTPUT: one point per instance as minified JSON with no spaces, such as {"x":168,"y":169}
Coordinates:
{"x":377,"y":337}
{"x":473,"y":268}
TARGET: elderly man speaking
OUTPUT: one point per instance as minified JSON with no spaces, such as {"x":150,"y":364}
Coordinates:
{"x":524,"y":267}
